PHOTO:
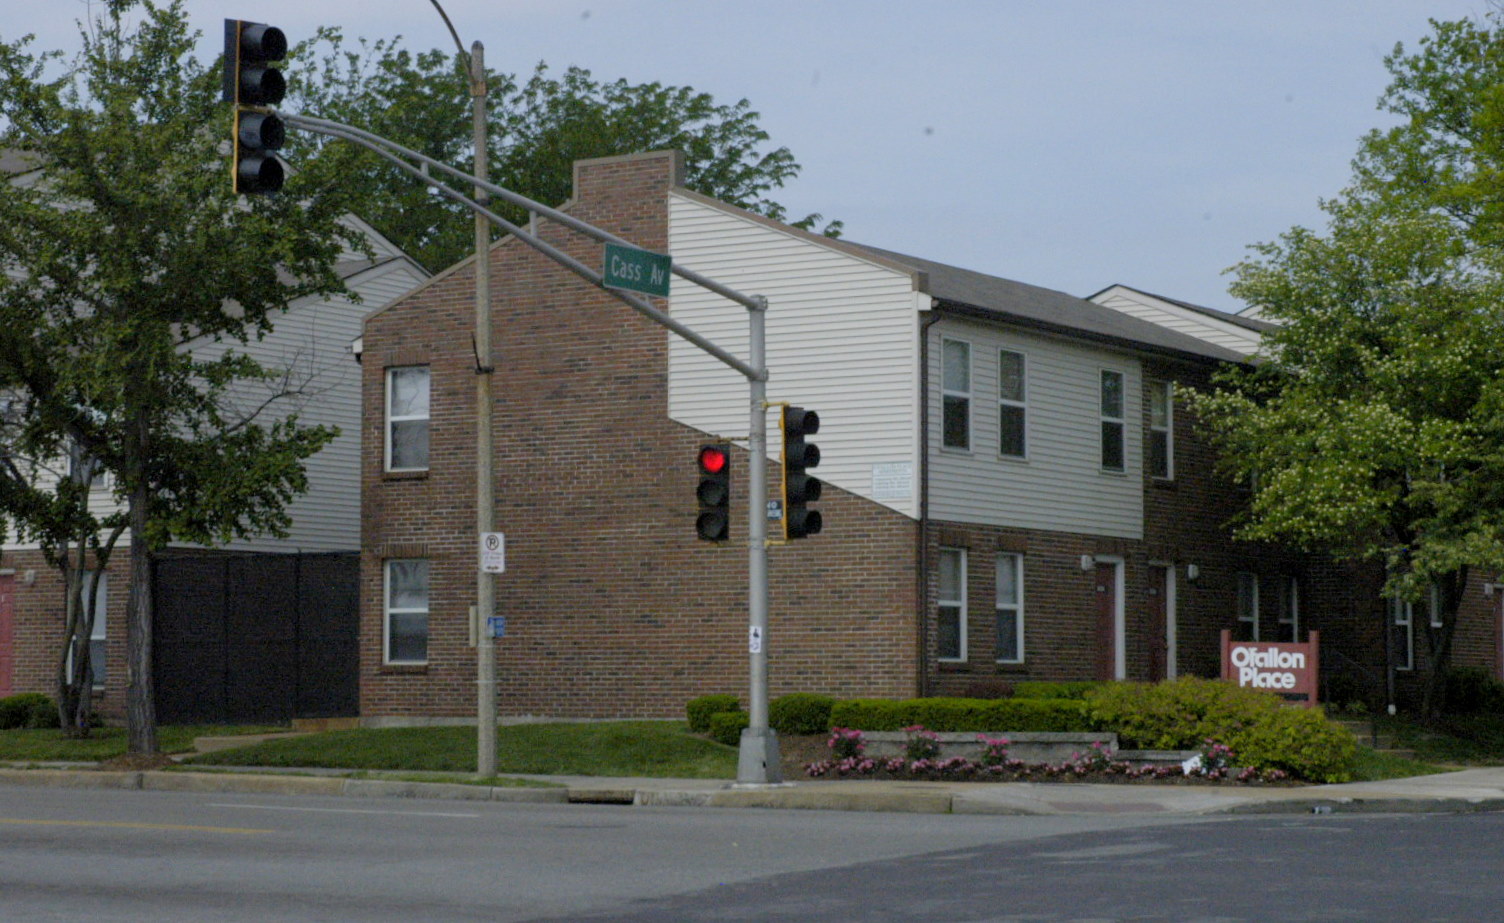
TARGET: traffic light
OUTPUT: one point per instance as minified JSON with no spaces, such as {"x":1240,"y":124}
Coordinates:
{"x":249,"y":80}
{"x":714,"y":492}
{"x":800,"y":488}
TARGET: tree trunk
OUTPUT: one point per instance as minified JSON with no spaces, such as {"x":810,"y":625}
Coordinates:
{"x":140,"y":698}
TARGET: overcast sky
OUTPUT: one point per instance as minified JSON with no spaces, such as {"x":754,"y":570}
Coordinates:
{"x":1071,"y":144}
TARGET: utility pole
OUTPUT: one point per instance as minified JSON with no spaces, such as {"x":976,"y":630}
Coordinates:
{"x":485,"y":447}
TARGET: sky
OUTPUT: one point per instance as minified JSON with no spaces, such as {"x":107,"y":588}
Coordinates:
{"x":1072,"y":144}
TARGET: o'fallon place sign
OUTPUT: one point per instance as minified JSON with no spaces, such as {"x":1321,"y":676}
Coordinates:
{"x":1288,"y":669}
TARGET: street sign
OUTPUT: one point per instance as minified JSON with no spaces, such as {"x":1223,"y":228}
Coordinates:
{"x":636,"y":270}
{"x":775,"y":510}
{"x":497,"y":625}
{"x":493,"y":553}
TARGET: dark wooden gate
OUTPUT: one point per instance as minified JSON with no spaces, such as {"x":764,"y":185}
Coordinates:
{"x":256,"y":638}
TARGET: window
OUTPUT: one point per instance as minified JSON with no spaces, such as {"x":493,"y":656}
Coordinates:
{"x":85,"y":469}
{"x":951,"y":621}
{"x":99,"y":584}
{"x":1112,"y":421}
{"x":1161,"y":430}
{"x":1010,"y":401}
{"x":1248,"y":607}
{"x":1010,"y":608}
{"x":1403,"y":615}
{"x":407,"y":611}
{"x":407,"y":418}
{"x":956,"y":386}
{"x":1288,"y":601}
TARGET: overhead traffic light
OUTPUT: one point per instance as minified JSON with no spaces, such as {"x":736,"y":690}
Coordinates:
{"x":799,"y":487}
{"x":714,"y":492}
{"x":251,"y":81}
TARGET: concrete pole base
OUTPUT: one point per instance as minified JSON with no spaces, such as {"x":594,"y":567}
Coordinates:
{"x":758,"y":761}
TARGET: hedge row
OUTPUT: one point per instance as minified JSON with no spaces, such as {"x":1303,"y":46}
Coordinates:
{"x":941,"y":714}
{"x":27,"y":710}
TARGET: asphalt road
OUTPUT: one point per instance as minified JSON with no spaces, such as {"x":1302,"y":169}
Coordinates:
{"x":121,"y":855}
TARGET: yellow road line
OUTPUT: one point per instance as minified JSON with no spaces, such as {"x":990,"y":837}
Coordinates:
{"x":128,"y":826}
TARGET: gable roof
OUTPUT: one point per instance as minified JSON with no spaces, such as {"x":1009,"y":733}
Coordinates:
{"x":1048,"y":310}
{"x":1237,"y":320}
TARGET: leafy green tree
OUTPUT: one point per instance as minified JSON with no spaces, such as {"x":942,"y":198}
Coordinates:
{"x":537,"y":129}
{"x":132,"y":274}
{"x":1372,"y":427}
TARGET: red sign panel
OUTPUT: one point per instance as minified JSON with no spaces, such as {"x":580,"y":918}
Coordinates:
{"x":1291,"y":670}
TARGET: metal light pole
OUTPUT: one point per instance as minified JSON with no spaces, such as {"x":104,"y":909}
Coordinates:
{"x":485,"y":498}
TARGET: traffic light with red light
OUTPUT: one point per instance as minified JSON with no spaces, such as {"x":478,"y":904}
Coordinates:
{"x":714,"y":492}
{"x":251,"y":81}
{"x":799,"y":487}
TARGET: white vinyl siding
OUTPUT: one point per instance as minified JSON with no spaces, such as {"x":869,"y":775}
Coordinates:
{"x":1180,"y":319}
{"x":841,"y":340}
{"x":1060,"y":486}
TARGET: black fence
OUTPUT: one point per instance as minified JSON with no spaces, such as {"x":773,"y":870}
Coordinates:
{"x":256,"y":638}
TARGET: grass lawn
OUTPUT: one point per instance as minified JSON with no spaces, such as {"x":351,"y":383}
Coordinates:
{"x":49,"y":745}
{"x":661,"y":749}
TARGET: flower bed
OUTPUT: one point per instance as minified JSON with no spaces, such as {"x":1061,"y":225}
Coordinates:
{"x":922,"y":760}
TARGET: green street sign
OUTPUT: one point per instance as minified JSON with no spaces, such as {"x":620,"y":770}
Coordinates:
{"x":636,"y":270}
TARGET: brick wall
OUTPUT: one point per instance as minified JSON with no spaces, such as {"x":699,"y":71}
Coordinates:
{"x":614,"y":608}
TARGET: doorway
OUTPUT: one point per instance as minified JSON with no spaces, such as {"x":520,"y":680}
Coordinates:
{"x":1161,"y":627}
{"x":1110,"y":659}
{"x":7,"y":633}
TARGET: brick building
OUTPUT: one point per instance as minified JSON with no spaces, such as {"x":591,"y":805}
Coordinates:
{"x":1012,"y":491}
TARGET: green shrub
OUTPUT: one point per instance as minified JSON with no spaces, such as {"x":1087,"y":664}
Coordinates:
{"x":1262,"y":731}
{"x":1041,"y":690}
{"x":726,"y":727}
{"x":800,"y":713}
{"x":699,"y":711}
{"x":1471,"y":691}
{"x":947,"y":714}
{"x":27,"y":710}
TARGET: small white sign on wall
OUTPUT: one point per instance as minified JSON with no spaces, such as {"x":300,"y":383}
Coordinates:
{"x":892,"y":480}
{"x":493,"y":553}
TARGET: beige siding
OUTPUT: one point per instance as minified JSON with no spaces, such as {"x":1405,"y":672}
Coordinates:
{"x":1179,"y":319}
{"x":1060,"y":485}
{"x":841,"y":339}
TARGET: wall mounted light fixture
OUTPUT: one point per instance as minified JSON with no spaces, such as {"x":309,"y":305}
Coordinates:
{"x":1192,"y":573}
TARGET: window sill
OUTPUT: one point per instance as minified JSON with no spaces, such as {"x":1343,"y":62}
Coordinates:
{"x":405,"y":475}
{"x":403,"y":669}
{"x":1163,"y":483}
{"x":954,"y":666}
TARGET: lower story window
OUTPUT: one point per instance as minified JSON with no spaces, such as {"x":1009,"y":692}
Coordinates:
{"x":951,"y":612}
{"x":407,"y":611}
{"x":1010,"y":608}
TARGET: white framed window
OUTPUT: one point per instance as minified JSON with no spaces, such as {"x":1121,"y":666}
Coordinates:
{"x":406,"y":606}
{"x":1010,"y":608}
{"x":84,"y":467}
{"x":1012,"y":409}
{"x":950,"y":622}
{"x":1114,"y":425}
{"x":1161,"y":430}
{"x":1248,"y":607}
{"x":99,"y":585}
{"x":1288,"y":609}
{"x":955,"y":385}
{"x":407,"y":399}
{"x":1402,"y":613}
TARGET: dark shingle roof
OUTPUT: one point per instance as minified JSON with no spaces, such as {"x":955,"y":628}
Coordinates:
{"x":1049,"y":310}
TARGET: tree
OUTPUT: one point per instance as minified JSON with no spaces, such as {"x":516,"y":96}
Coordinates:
{"x":132,"y":272}
{"x":1372,"y":426}
{"x":537,"y":130}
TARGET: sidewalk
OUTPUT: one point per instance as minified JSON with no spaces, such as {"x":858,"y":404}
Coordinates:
{"x":1456,"y":792}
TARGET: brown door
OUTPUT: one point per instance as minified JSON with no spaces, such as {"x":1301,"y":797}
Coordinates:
{"x":1159,"y":639}
{"x":7,"y":618}
{"x":1499,"y":632}
{"x":1107,"y":611}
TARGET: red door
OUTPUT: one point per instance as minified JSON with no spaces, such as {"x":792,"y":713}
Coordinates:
{"x":1159,"y":639}
{"x":7,"y":619}
{"x":1107,"y":612}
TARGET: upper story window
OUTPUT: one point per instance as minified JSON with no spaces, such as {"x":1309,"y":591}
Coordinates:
{"x":1113,"y":422}
{"x":956,"y":388}
{"x":950,"y":622}
{"x":1248,"y":607}
{"x":1012,"y":410}
{"x":1161,"y":430}
{"x":407,"y":418}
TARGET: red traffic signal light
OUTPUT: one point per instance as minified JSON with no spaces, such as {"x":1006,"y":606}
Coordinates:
{"x":713,"y":493}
